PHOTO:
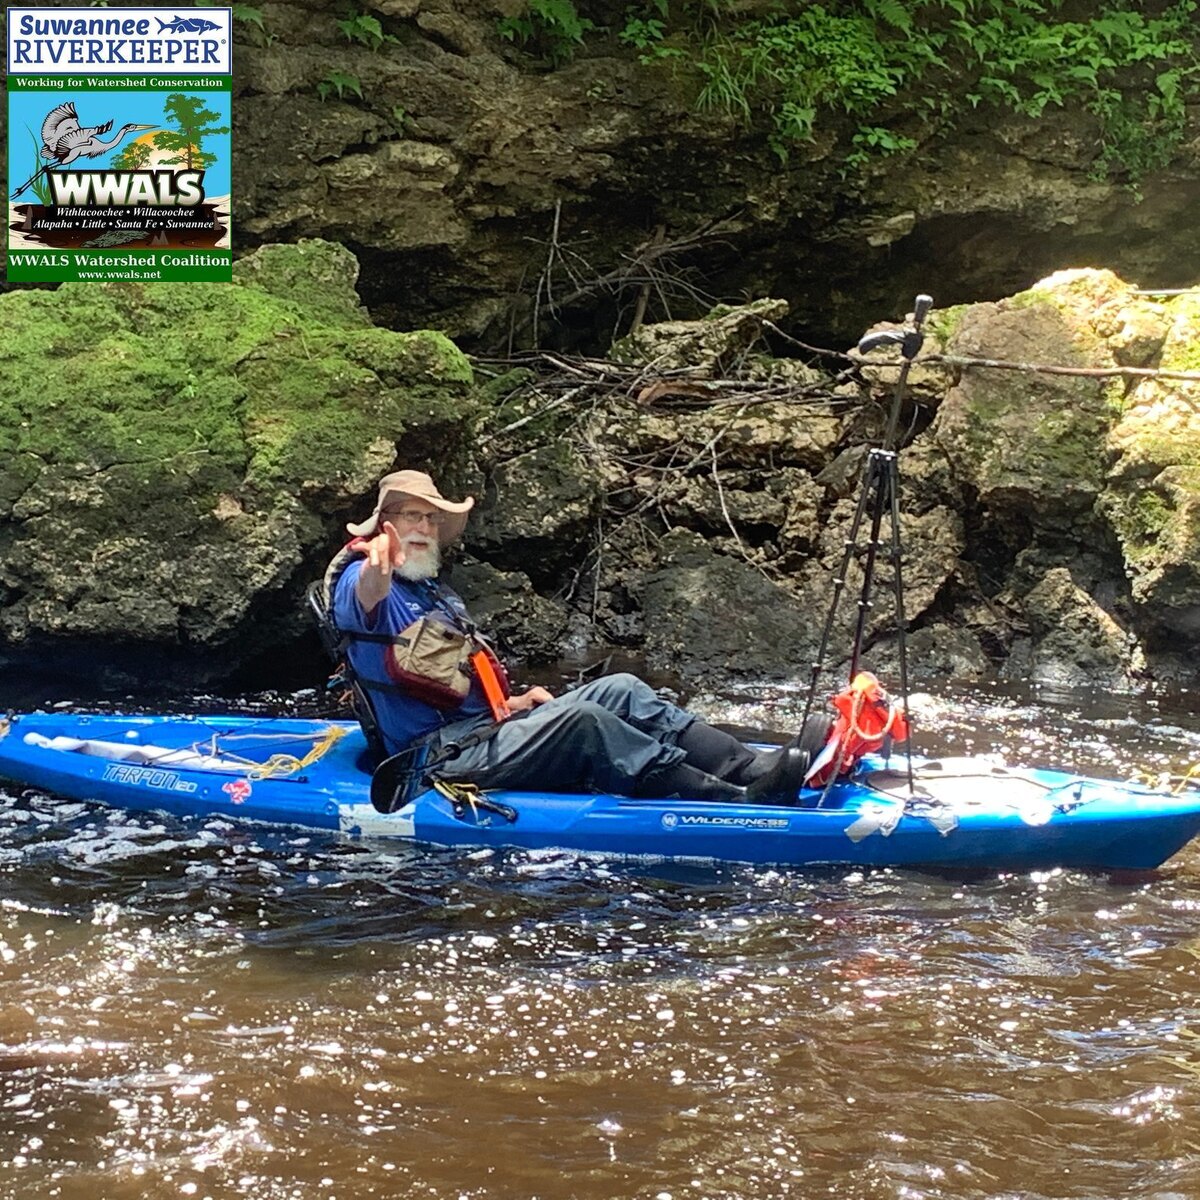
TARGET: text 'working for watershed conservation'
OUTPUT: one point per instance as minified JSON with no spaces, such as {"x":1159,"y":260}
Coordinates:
{"x":119,"y":144}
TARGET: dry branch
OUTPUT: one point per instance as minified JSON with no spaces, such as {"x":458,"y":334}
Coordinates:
{"x":664,"y":387}
{"x":650,"y":268}
{"x":996,"y":364}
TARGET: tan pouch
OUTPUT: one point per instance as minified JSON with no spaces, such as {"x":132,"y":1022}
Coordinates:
{"x":431,"y":662}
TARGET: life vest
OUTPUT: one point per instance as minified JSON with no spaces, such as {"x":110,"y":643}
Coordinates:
{"x":867,"y":716}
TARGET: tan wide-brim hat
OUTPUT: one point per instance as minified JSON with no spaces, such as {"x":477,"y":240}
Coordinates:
{"x":417,"y":484}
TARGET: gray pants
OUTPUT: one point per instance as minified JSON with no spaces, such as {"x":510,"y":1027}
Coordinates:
{"x":599,"y":737}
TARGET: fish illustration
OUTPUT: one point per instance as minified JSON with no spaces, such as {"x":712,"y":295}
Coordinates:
{"x":186,"y":25}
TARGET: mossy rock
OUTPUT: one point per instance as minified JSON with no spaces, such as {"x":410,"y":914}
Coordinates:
{"x":1030,"y":442}
{"x":175,"y":454}
{"x":1152,"y":500}
{"x":321,"y":276}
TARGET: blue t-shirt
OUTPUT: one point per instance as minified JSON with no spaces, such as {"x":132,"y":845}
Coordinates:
{"x":401,"y":718}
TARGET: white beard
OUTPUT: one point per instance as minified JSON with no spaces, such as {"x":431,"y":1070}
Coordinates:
{"x":423,"y":562}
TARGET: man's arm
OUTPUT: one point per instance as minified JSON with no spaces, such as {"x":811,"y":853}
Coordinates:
{"x":384,"y":553}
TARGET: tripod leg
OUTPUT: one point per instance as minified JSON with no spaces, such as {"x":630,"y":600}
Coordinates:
{"x":880,"y":461}
{"x":897,"y":555}
{"x":870,"y":487}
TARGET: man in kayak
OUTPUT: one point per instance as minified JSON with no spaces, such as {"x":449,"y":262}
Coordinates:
{"x":615,"y":734}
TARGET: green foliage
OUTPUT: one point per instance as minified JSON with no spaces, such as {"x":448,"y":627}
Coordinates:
{"x":252,"y":19}
{"x":339,"y":83}
{"x":249,"y":15}
{"x":133,"y":157}
{"x":192,"y":126}
{"x":648,"y":29}
{"x":41,"y":185}
{"x":875,"y":63}
{"x":873,"y":142}
{"x":552,"y":29}
{"x":1133,"y":71}
{"x":364,"y":29}
{"x":1140,"y":137}
{"x":644,"y":33}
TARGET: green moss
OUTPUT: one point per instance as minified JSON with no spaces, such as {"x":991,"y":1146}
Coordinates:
{"x":1031,"y":298}
{"x":87,"y":385}
{"x":1066,"y":445}
{"x":210,"y":388}
{"x":353,"y":389}
{"x":421,"y":359}
{"x":1139,"y":519}
{"x":943,"y":323}
{"x":320,"y":276}
{"x":1116,"y":399}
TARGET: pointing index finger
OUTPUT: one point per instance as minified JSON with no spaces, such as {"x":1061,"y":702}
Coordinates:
{"x":395,"y":549}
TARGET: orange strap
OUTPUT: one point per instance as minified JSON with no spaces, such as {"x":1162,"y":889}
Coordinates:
{"x":485,"y":672}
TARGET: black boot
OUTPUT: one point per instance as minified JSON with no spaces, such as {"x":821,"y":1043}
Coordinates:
{"x":785,"y":774}
{"x":686,"y":782}
{"x":721,"y":754}
{"x":782,"y":781}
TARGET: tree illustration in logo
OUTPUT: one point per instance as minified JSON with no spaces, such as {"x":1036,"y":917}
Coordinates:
{"x":133,"y":157}
{"x":186,"y":141}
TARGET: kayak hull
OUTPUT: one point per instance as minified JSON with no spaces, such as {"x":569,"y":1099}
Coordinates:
{"x":319,"y":778}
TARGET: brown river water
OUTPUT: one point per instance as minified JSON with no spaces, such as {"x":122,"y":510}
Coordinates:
{"x":198,"y":1009}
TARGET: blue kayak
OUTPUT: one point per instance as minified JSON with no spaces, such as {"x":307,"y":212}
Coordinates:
{"x":963,"y":814}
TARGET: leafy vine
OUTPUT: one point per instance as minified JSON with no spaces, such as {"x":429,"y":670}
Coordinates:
{"x":880,"y":63}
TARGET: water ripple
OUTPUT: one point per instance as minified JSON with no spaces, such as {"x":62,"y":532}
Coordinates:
{"x":205,"y":1009}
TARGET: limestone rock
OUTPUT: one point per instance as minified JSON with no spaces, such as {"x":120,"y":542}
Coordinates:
{"x":537,"y":514}
{"x":1152,"y":498}
{"x":505,"y":607}
{"x":931,"y":542}
{"x":702,"y":347}
{"x":707,"y":616}
{"x":1073,"y":642}
{"x":1027,"y":443}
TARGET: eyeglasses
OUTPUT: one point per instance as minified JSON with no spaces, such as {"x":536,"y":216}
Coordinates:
{"x":414,"y":516}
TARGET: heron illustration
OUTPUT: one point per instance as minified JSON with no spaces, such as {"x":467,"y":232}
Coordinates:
{"x":63,"y":141}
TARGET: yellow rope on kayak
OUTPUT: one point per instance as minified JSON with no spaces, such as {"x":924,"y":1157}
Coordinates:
{"x":1185,"y":779}
{"x":1169,"y":783}
{"x":289,"y":764}
{"x":459,"y":793}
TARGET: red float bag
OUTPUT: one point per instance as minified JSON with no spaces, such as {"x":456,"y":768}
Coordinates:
{"x":866,"y":716}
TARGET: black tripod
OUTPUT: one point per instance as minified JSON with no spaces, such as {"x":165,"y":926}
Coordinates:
{"x":880,"y":494}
